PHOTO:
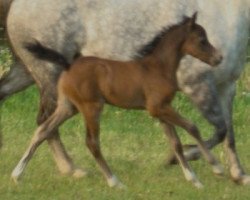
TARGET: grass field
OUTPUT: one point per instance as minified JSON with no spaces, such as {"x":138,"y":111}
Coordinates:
{"x":133,"y":145}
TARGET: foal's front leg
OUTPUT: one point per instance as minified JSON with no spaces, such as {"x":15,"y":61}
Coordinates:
{"x":177,"y":147}
{"x":172,"y":116}
{"x":169,"y":115}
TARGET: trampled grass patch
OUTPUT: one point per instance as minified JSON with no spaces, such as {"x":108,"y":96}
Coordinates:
{"x":133,"y":144}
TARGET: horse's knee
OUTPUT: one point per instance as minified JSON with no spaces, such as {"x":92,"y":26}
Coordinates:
{"x":41,"y":134}
{"x":230,"y":141}
{"x":46,"y":108}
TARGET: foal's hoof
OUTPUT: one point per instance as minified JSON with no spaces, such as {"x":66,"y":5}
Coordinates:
{"x":113,"y":182}
{"x":218,"y":170}
{"x":190,"y":176}
{"x":198,"y":184}
{"x":15,"y":180}
{"x":15,"y":175}
{"x":79,"y":173}
{"x":242,"y":180}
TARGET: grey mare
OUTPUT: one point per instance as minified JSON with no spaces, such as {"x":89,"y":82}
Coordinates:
{"x":119,"y":30}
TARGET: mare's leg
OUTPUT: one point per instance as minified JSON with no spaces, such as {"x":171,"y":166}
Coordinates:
{"x":91,"y":112}
{"x":178,"y":151}
{"x":43,"y":132}
{"x":237,"y":173}
{"x":169,"y":115}
{"x":15,"y":80}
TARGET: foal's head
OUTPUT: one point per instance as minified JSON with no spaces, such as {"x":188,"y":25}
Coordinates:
{"x":196,"y":43}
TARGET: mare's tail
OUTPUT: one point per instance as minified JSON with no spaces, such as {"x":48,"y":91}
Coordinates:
{"x":44,"y":53}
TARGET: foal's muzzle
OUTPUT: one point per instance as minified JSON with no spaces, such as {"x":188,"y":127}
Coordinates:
{"x":216,"y":58}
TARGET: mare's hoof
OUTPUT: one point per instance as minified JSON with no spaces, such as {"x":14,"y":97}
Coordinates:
{"x":79,"y":173}
{"x":15,"y":180}
{"x":198,"y":184}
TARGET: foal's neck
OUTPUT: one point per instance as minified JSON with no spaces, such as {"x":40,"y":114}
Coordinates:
{"x":168,"y":52}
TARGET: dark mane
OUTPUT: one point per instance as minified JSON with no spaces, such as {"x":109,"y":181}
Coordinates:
{"x":149,"y":47}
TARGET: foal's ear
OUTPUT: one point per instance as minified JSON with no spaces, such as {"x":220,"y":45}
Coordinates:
{"x":194,"y":17}
{"x":192,"y":21}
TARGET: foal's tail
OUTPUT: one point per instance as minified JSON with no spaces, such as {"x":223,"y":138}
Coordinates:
{"x":44,"y":53}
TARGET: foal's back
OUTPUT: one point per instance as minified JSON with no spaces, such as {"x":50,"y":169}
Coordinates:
{"x":94,"y":79}
{"x":124,"y":84}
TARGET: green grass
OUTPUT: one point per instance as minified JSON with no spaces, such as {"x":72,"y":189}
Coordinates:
{"x":134,"y":146}
{"x":5,"y":59}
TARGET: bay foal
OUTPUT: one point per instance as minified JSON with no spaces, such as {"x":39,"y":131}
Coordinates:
{"x":147,"y":83}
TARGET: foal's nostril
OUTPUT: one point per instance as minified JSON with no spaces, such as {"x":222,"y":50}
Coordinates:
{"x":220,"y":58}
{"x":217,"y":59}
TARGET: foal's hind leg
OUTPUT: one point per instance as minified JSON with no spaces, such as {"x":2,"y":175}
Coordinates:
{"x":47,"y":107}
{"x":43,"y":132}
{"x":91,"y":112}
